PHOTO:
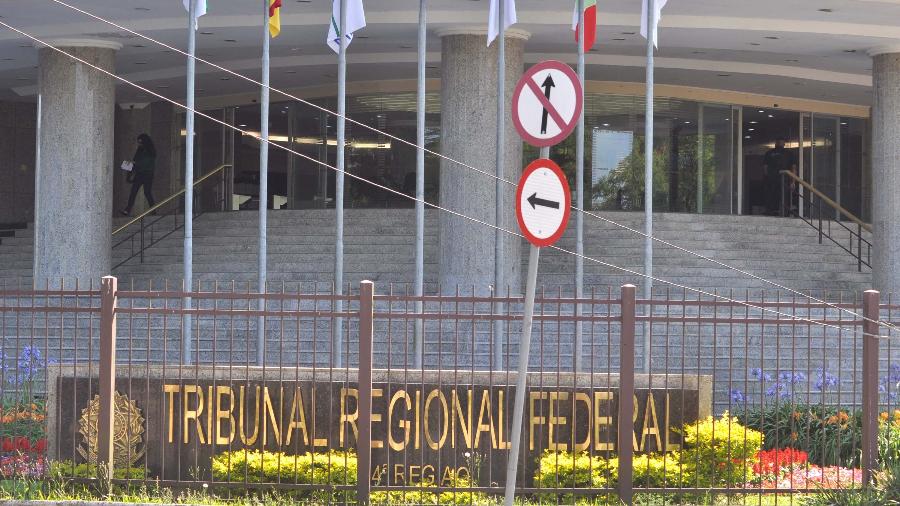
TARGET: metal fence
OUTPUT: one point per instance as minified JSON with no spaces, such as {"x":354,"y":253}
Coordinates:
{"x":699,"y":377}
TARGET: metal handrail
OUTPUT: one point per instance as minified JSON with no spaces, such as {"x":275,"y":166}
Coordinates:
{"x":170,"y":198}
{"x":834,"y":205}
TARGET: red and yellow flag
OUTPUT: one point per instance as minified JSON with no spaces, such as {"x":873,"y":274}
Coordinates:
{"x":274,"y":18}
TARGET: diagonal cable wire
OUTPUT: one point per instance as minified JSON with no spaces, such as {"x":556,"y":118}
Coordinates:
{"x":470,"y":167}
{"x":399,"y":193}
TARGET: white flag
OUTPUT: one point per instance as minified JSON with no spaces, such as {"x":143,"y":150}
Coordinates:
{"x":356,"y":19}
{"x":199,"y":9}
{"x":509,"y":18}
{"x":658,"y":5}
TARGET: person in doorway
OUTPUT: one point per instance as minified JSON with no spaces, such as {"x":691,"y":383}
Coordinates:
{"x":776,"y":160}
{"x":142,"y":173}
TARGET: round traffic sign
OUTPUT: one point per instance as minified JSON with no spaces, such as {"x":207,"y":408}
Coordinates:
{"x":547,"y":103}
{"x":542,"y":202}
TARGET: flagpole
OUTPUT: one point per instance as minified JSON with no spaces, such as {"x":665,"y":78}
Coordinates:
{"x":263,"y":186}
{"x":339,"y":183}
{"x":648,"y":174}
{"x":419,"y":337}
{"x":188,"y":282}
{"x":579,"y":195}
{"x":498,"y":189}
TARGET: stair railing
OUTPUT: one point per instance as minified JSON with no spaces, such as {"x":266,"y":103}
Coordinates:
{"x":147,"y":233}
{"x":815,"y":206}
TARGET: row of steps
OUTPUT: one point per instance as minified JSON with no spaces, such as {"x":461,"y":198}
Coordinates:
{"x":379,"y":245}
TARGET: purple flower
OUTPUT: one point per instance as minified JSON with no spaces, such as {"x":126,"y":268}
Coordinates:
{"x":738,"y":397}
{"x":778,"y":389}
{"x":760,"y":375}
{"x":825,"y":381}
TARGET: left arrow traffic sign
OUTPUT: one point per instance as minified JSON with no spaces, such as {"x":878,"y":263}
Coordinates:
{"x":543,"y":202}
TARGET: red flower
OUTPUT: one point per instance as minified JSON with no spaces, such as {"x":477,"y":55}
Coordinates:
{"x":39,"y":446}
{"x":22,"y":444}
{"x":7,"y":445}
{"x":772,"y":462}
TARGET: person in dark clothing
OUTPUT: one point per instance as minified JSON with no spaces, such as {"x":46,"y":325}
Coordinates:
{"x":142,"y":173}
{"x":776,"y":160}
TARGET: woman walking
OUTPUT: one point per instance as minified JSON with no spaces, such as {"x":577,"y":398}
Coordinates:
{"x":142,"y":172}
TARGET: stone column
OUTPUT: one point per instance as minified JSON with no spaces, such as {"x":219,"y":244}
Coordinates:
{"x":886,"y":169}
{"x":468,"y":134}
{"x":73,"y":201}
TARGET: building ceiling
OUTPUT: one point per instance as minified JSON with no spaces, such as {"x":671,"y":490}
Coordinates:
{"x":814,"y":49}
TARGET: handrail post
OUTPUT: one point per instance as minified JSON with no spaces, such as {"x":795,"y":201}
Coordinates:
{"x":871,"y":314}
{"x":142,"y":240}
{"x":364,"y":444}
{"x":625,"y":428}
{"x":858,"y":247}
{"x":107,"y":379}
{"x":819,"y":216}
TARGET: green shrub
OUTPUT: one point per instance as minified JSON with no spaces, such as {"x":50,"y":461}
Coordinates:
{"x":661,"y":470}
{"x":328,"y":468}
{"x":66,"y":469}
{"x":719,"y":452}
{"x":574,"y":470}
{"x":830,"y":436}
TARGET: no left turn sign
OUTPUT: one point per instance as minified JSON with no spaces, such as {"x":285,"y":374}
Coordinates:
{"x":547,"y":103}
{"x":543,"y":202}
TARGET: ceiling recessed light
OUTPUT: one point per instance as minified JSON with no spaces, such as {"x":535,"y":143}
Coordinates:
{"x":687,"y":122}
{"x":291,"y":72}
{"x":751,"y":129}
{"x":163,"y":86}
{"x":405,"y":46}
{"x":143,"y":9}
{"x":628,"y":33}
{"x":295,"y":49}
{"x":25,"y":45}
{"x":360,"y":36}
{"x":746,"y":136}
{"x":771,"y":115}
{"x":619,"y":38}
{"x":230,"y":40}
{"x":754,"y":122}
{"x":224,"y":79}
{"x":826,"y":10}
{"x":724,"y":75}
{"x":698,"y":52}
{"x":242,"y":125}
{"x":754,"y":43}
{"x":431,"y":66}
{"x":8,"y":59}
{"x":771,"y":37}
{"x":206,"y":33}
{"x":138,"y":45}
{"x":21,"y":79}
{"x":606,"y":124}
{"x":791,"y":60}
{"x":844,"y":123}
{"x":762,"y":111}
{"x":849,"y":50}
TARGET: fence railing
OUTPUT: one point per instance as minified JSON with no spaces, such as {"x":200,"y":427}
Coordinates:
{"x":676,"y":395}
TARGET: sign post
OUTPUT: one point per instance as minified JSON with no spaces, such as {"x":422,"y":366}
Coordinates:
{"x":543,"y":204}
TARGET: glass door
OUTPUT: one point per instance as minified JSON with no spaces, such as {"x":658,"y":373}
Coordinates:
{"x":715,"y":160}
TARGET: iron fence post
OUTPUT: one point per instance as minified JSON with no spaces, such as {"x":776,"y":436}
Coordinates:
{"x":870,"y":384}
{"x":626,"y":394}
{"x":364,"y":445}
{"x":107,"y":377}
{"x":142,"y":240}
{"x":858,"y":246}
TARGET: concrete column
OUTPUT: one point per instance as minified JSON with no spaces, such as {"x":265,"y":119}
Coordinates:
{"x":73,"y":203}
{"x":468,"y":134}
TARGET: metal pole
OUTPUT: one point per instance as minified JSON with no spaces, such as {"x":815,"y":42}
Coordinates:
{"x":498,"y":189}
{"x":521,"y":376}
{"x":107,"y":378}
{"x":871,"y":311}
{"x":339,"y":186}
{"x":364,"y":380}
{"x":626,"y":396}
{"x":648,"y":175}
{"x":189,"y":182}
{"x":263,"y":186}
{"x":37,"y":196}
{"x":419,"y":349}
{"x":579,"y":198}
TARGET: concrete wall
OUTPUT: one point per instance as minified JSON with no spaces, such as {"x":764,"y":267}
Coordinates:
{"x":17,"y":141}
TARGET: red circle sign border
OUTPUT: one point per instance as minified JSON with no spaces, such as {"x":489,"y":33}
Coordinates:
{"x":544,"y":163}
{"x":579,"y":103}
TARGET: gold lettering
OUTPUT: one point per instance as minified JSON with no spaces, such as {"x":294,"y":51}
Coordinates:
{"x":634,"y":417}
{"x":398,"y":473}
{"x":535,"y":420}
{"x":346,"y":417}
{"x":193,"y":414}
{"x":553,"y":420}
{"x":222,"y":414}
{"x":503,"y":445}
{"x":209,"y":413}
{"x":415,"y":474}
{"x":428,"y":474}
{"x":241,"y":420}
{"x":269,"y":410}
{"x":601,"y":421}
{"x":170,"y":391}
{"x":465,"y":420}
{"x":447,"y":477}
{"x":403,"y":423}
{"x":647,"y":430}
{"x":436,"y":394}
{"x":376,"y":417}
{"x":298,"y":419}
{"x":317,"y":441}
{"x":670,"y":447}
{"x":418,"y":418}
{"x":485,"y":427}
{"x":586,"y":400}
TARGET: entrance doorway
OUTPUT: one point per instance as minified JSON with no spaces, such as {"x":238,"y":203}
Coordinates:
{"x":761,"y":129}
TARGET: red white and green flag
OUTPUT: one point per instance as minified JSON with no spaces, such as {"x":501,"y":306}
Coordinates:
{"x":590,"y":23}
